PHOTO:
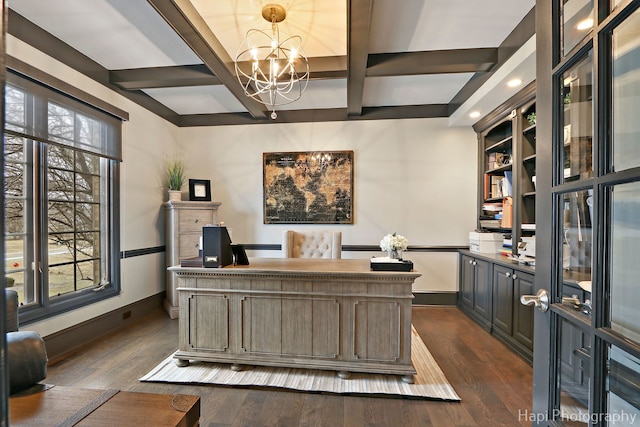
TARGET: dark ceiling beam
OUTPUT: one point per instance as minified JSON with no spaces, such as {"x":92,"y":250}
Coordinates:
{"x":427,"y":111}
{"x":25,"y":30}
{"x":320,"y":68}
{"x":328,"y":67}
{"x":158,"y":77}
{"x":358,"y":29}
{"x":189,"y":25}
{"x":28,"y":32}
{"x":432,"y":62}
{"x":514,"y":41}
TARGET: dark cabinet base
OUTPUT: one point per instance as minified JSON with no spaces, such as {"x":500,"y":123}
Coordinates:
{"x":490,"y":290}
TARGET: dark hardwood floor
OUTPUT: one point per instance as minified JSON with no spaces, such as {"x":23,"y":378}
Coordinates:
{"x":492,"y":381}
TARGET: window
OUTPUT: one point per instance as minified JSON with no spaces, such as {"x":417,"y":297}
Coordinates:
{"x":61,"y":173}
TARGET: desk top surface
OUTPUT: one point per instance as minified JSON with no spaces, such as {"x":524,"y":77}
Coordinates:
{"x":304,"y":266}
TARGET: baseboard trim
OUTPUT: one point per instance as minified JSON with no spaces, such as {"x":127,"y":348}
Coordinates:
{"x":71,"y":339}
{"x":435,"y":298}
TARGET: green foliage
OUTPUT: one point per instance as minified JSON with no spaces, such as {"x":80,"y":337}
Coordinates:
{"x":175,"y":177}
{"x":531,"y":118}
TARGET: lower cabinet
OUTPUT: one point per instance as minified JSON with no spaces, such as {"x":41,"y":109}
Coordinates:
{"x":490,"y":294}
{"x":475,"y":289}
{"x":512,"y":321}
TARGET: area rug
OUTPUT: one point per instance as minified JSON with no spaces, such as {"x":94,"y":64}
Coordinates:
{"x":430,"y":381}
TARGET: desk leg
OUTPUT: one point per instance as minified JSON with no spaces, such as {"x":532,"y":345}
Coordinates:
{"x":345,"y":375}
{"x":409,"y":379}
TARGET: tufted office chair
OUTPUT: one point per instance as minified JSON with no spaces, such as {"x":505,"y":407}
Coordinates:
{"x":312,"y":244}
{"x":26,"y":353}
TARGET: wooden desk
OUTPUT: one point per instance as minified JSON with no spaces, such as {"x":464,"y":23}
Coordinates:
{"x":62,"y":406}
{"x":304,"y":313}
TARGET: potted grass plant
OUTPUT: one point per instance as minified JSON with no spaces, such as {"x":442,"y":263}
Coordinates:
{"x":175,"y":178}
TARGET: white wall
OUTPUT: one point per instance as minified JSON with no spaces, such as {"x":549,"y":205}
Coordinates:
{"x":416,"y":177}
{"x":413,"y":176}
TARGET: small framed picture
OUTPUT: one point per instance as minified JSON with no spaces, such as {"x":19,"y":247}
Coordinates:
{"x":200,"y":190}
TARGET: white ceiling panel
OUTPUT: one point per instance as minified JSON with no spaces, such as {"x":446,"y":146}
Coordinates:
{"x":322,"y":94}
{"x":413,"y":90}
{"x":418,"y":25}
{"x":197,"y":99}
{"x":321,"y":24}
{"x":115,"y":33}
{"x":521,"y":66}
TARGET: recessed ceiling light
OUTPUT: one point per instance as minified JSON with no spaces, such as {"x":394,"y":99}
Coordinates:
{"x":585,"y":24}
{"x":474,"y":114}
{"x":514,"y":83}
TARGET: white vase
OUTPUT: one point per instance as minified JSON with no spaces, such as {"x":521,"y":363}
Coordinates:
{"x":175,"y":195}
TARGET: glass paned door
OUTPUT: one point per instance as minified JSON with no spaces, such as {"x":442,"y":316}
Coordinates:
{"x":587,"y":345}
{"x":577,"y":21}
{"x":624,"y":301}
{"x":626,"y":94}
{"x":577,"y":115}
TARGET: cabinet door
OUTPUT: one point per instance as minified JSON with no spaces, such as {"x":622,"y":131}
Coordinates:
{"x":503,"y":299}
{"x":523,"y":315}
{"x":482,"y":294}
{"x":467,"y":273}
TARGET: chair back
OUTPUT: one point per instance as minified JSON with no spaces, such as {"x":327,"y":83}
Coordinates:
{"x":312,"y":244}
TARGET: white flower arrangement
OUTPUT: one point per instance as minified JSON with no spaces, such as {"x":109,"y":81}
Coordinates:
{"x":393,"y":242}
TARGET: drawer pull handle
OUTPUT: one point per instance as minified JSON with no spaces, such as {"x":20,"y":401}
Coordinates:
{"x":515,"y":276}
{"x":507,"y":274}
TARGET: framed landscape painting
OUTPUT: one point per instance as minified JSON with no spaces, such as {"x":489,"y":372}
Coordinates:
{"x":308,"y":187}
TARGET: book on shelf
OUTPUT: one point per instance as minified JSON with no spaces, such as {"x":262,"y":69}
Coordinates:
{"x":492,"y":207}
{"x":505,"y":251}
{"x":528,"y":227}
{"x":507,"y":184}
{"x":496,"y":186}
{"x":490,"y":223}
{"x":191,"y":262}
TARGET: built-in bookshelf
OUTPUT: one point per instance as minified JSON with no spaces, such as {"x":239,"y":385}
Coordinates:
{"x":507,"y":168}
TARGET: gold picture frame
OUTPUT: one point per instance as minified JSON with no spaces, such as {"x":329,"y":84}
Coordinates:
{"x":308,"y":187}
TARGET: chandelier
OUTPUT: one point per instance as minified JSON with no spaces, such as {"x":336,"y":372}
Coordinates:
{"x":272,"y":71}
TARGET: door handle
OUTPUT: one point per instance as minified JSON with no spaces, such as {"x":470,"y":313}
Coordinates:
{"x":539,"y":300}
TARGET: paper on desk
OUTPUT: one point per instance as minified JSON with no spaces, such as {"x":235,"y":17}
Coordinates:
{"x":385,"y":259}
{"x":586,"y":285}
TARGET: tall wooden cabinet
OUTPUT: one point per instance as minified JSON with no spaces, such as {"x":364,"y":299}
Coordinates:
{"x":184,"y":221}
{"x":507,"y":167}
{"x":490,"y":283}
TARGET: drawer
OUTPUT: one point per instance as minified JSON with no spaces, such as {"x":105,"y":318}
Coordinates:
{"x":188,"y":245}
{"x":194,"y":220}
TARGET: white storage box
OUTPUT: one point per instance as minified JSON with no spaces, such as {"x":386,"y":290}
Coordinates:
{"x":485,"y":242}
{"x":528,"y":246}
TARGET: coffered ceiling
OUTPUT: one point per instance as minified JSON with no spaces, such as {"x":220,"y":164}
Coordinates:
{"x":369,"y":59}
